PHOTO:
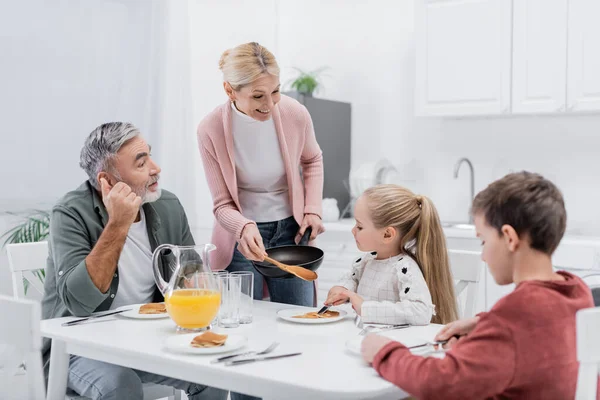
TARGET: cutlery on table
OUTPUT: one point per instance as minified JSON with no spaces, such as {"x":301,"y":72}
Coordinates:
{"x":377,"y":329}
{"x":80,"y":320}
{"x":323,"y":310}
{"x":263,"y":358}
{"x":247,"y":353}
{"x":435,"y":344}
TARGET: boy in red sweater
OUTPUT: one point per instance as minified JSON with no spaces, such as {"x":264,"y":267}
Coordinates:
{"x":525,"y":346}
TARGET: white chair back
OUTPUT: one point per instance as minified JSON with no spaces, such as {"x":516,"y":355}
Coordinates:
{"x":467,"y":268}
{"x":593,"y":281}
{"x":20,"y":349}
{"x":25,"y":261}
{"x":588,"y":353}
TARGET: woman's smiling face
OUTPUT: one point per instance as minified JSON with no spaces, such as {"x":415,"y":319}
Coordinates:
{"x":258,"y":98}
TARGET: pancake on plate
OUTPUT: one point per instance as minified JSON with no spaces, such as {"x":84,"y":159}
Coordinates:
{"x":314,"y":315}
{"x":153,"y":308}
{"x":208,"y":339}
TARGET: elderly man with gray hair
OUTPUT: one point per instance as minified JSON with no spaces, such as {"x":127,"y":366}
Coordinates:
{"x":102,"y":236}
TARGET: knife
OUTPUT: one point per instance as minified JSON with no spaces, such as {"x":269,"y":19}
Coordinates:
{"x":323,"y":310}
{"x":229,"y":357}
{"x":77,"y":321}
{"x":250,"y":360}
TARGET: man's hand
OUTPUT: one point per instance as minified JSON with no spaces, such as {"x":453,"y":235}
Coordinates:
{"x":455,"y":330}
{"x":251,"y":244}
{"x":371,"y":345}
{"x":122,"y":204}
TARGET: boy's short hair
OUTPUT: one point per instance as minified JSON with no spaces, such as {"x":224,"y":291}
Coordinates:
{"x":529,"y":203}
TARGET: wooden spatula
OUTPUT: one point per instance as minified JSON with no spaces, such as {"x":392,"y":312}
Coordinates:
{"x":300,"y":272}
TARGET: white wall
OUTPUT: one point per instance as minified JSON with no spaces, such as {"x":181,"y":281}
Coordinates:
{"x":369,"y":47}
{"x":215,"y":26}
{"x":66,"y":67}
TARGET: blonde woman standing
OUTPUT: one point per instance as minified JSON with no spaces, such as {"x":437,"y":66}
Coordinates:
{"x":264,"y":169}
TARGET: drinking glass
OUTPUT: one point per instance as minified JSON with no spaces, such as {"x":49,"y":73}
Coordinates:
{"x":246,"y":295}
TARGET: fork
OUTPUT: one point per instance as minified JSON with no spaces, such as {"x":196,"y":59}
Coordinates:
{"x":370,"y":328}
{"x":437,"y":345}
{"x":247,"y":353}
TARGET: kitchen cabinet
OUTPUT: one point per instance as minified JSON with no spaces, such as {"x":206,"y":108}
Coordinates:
{"x":463,"y":56}
{"x":583,"y":90}
{"x":497,"y":57}
{"x":539,"y":74}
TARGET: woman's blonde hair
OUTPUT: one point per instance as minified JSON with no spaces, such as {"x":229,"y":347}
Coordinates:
{"x":245,"y":63}
{"x":422,"y":238}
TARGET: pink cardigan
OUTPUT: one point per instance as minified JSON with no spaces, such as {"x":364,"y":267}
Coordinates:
{"x":299,"y":147}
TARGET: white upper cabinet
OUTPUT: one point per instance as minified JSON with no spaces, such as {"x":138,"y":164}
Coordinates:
{"x":539,"y":56}
{"x":583,"y":93}
{"x":463,"y":57}
{"x":495,"y":57}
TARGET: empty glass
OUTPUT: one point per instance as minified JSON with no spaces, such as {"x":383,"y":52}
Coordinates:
{"x":217,"y":274}
{"x":229,"y":313}
{"x":246,"y":295}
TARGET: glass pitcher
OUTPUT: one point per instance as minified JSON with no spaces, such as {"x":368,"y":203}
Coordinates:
{"x":192,"y":294}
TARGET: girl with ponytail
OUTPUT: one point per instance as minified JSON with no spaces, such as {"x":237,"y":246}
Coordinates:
{"x":404,"y":276}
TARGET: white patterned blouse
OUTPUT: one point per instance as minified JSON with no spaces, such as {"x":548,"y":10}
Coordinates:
{"x":394,"y":290}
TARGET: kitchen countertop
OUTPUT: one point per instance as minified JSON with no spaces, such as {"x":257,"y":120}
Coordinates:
{"x":346,"y":224}
{"x":571,"y":236}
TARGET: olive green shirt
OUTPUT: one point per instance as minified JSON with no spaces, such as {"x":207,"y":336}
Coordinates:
{"x":76,"y":223}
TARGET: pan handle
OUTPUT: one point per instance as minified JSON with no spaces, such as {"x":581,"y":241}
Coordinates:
{"x":305,"y":237}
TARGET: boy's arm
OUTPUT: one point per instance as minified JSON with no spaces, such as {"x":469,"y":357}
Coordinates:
{"x":479,"y":366}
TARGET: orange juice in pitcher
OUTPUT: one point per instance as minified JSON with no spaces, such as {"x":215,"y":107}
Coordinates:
{"x":193,"y":308}
{"x":191,"y":291}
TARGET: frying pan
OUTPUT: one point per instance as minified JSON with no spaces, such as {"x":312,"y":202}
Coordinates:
{"x":304,"y":256}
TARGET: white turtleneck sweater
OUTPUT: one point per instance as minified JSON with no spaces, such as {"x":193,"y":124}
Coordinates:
{"x":261,"y":178}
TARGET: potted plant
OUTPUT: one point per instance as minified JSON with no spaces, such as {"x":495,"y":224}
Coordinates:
{"x":307,"y":83}
{"x":34,"y":228}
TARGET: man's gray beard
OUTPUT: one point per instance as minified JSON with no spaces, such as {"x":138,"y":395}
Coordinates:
{"x":151,"y":197}
{"x":146,"y":195}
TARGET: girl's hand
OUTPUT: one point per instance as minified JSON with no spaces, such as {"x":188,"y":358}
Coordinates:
{"x":371,"y":345}
{"x":454,"y":330}
{"x":337,"y":295}
{"x":356,"y":301}
{"x":251,"y":243}
{"x":314,"y":221}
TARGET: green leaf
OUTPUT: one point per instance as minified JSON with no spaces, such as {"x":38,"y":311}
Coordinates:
{"x":307,"y":82}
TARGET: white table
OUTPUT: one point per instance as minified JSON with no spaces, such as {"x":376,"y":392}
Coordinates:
{"x":325,"y":370}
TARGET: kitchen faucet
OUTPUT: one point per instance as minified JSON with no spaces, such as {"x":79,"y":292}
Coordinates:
{"x":456,"y":169}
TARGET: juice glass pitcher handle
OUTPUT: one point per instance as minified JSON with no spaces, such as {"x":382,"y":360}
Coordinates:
{"x":163,"y":286}
{"x":207,"y":248}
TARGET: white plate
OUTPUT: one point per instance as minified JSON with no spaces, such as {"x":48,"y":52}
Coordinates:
{"x":181,"y":344}
{"x":289,"y":313}
{"x":135,"y":313}
{"x":353,"y":346}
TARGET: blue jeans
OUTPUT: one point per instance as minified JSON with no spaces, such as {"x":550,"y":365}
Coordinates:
{"x":99,"y":380}
{"x":281,"y":290}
